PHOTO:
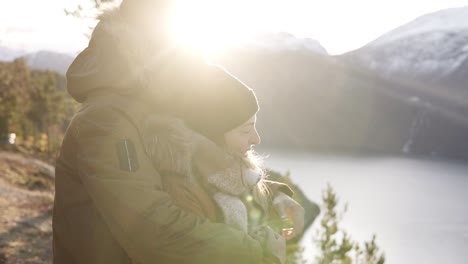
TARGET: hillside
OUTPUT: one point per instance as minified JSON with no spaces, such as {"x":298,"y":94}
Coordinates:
{"x":316,"y":102}
{"x":26,"y":198}
{"x":430,"y":50}
{"x":39,"y":60}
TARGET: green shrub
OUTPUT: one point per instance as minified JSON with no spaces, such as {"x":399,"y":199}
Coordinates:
{"x":335,"y":245}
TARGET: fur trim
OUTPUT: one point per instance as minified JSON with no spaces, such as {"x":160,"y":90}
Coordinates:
{"x":153,"y":64}
{"x":175,"y":148}
{"x":234,"y":210}
{"x":169,"y":143}
{"x":251,"y":177}
{"x":135,"y":50}
{"x":113,"y":29}
{"x":228,"y":181}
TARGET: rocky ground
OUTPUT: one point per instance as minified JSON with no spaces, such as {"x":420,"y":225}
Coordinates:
{"x":26,"y":198}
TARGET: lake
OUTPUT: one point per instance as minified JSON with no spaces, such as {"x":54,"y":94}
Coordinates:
{"x":418,"y":208}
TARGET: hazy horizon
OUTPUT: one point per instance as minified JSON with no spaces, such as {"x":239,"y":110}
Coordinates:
{"x":338,"y":26}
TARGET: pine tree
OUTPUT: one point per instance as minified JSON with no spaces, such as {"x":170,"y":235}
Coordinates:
{"x":33,"y":104}
{"x":14,"y":97}
{"x":335,"y":244}
{"x":48,"y":106}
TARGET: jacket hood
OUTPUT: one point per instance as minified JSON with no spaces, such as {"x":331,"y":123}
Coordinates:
{"x":103,"y":63}
{"x":175,"y":148}
{"x":122,"y":59}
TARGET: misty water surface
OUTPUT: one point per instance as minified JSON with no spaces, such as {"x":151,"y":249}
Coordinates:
{"x":418,"y":208}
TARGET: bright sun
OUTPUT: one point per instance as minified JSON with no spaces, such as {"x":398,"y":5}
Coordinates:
{"x":199,"y":26}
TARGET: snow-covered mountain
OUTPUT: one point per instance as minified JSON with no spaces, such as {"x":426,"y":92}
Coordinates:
{"x":453,"y":19}
{"x":432,"y":49}
{"x":285,"y":41}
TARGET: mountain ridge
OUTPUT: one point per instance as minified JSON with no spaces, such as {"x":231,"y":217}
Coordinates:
{"x":432,"y":50}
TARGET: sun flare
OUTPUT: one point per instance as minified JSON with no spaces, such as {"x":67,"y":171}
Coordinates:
{"x":197,"y":25}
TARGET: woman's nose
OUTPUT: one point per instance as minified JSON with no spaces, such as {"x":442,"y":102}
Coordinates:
{"x":255,"y":139}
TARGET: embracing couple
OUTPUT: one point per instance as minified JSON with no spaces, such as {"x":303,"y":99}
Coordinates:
{"x":157,"y":166}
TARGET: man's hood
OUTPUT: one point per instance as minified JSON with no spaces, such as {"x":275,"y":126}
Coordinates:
{"x":102,"y":64}
{"x":124,"y":59}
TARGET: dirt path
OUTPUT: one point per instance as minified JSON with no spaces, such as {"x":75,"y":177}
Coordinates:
{"x":26,"y":198}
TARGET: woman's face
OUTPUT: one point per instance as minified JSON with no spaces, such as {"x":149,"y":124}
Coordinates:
{"x":242,"y":138}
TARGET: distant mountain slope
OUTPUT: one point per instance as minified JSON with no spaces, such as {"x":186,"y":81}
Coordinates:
{"x":40,"y":60}
{"x":59,"y":62}
{"x":8,"y":54}
{"x":47,"y":60}
{"x":285,"y":41}
{"x":317,"y":102}
{"x":453,"y":19}
{"x":432,"y":49}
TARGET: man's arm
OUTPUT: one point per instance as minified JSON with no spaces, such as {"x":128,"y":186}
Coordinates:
{"x":286,"y":207}
{"x":126,"y":191}
{"x":279,"y":187}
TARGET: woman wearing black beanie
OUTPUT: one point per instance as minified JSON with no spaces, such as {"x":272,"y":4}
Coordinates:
{"x":205,"y":156}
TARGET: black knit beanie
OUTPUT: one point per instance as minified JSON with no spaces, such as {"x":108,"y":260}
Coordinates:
{"x":215,"y":102}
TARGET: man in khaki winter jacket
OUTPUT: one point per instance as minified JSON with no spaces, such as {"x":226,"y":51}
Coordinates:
{"x":109,"y":203}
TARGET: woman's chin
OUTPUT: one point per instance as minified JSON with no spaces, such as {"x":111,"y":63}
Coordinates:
{"x":242,"y":154}
{"x":247,"y":153}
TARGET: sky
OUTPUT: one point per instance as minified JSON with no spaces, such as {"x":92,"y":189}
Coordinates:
{"x":339,"y":25}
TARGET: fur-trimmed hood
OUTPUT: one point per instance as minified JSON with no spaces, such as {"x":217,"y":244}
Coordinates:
{"x":121,"y":58}
{"x":175,"y":148}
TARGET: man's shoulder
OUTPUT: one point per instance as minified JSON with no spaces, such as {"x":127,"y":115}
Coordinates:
{"x":104,"y":113}
{"x":111,"y":108}
{"x":105,"y":117}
